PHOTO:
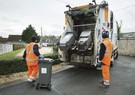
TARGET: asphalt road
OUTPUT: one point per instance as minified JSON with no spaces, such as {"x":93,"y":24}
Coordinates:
{"x":82,"y":81}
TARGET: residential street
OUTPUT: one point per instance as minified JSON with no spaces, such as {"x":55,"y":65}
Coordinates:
{"x":82,"y":81}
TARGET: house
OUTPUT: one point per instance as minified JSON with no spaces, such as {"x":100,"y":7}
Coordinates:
{"x":4,"y":47}
{"x":15,"y":39}
{"x":3,"y":40}
{"x":49,"y":40}
{"x":13,"y":42}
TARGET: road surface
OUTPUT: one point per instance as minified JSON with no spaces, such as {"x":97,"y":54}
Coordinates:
{"x":82,"y":81}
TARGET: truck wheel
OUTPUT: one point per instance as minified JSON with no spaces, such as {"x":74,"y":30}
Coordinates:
{"x":116,"y":55}
{"x":111,"y":65}
{"x":112,"y":62}
{"x":49,"y":87}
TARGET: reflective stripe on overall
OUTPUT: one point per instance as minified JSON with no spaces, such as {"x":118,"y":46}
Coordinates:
{"x":31,"y":58}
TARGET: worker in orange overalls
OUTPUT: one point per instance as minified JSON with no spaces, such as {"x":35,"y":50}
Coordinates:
{"x":31,"y":54}
{"x":105,"y":55}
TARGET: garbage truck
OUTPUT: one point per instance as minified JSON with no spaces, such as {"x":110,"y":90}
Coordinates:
{"x":80,"y":42}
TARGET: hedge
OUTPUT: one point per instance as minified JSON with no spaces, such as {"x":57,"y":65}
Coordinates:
{"x":18,"y":46}
{"x":16,"y":65}
{"x":12,"y":66}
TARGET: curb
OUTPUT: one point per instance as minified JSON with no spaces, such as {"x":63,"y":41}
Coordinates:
{"x":60,"y":66}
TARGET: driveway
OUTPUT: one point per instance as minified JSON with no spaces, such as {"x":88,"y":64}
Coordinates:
{"x":42,"y":50}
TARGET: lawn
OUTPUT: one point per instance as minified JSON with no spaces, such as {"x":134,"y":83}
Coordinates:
{"x":12,"y":63}
{"x":10,"y":55}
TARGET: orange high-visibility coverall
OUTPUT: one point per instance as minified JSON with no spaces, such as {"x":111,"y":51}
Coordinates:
{"x":32,"y":61}
{"x":106,"y":60}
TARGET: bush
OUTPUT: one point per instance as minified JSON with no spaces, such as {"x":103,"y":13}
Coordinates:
{"x":55,"y":49}
{"x":18,"y":46}
{"x":54,"y":57}
{"x":15,"y":65}
{"x":9,"y":63}
{"x":56,"y":61}
{"x":12,"y":66}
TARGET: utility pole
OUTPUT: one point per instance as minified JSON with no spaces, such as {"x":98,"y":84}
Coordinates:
{"x":41,"y":37}
{"x":41,"y":32}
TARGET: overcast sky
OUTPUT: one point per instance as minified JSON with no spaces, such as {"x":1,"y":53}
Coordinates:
{"x":16,"y":15}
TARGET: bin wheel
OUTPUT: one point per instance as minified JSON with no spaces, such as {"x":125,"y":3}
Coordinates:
{"x":49,"y":87}
{"x":33,"y":84}
{"x":37,"y":86}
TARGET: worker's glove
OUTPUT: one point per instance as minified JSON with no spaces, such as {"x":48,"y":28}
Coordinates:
{"x":23,"y":60}
{"x":41,"y":57}
{"x":99,"y":64}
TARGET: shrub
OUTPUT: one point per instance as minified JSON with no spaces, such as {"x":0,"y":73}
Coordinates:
{"x":9,"y":63}
{"x":18,"y":46}
{"x":55,"y":49}
{"x":12,"y":66}
{"x":54,"y":57}
{"x":16,"y":65}
{"x":56,"y":61}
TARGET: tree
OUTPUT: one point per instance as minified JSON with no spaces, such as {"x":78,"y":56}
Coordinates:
{"x":28,"y":33}
{"x":119,"y":29}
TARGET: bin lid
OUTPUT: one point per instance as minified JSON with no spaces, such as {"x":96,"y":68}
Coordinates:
{"x":46,"y":60}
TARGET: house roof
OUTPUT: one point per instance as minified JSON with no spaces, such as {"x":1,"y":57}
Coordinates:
{"x":14,"y":38}
{"x":3,"y":40}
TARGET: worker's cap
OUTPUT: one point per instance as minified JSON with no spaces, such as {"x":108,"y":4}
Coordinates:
{"x":105,"y":34}
{"x":34,"y":38}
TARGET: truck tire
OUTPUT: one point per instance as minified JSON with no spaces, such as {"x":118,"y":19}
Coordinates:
{"x":116,"y":55}
{"x":111,"y":65}
{"x":112,"y":62}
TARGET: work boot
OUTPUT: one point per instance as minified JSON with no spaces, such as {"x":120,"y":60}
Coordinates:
{"x":33,"y":80}
{"x":101,"y":81}
{"x":30,"y":80}
{"x":101,"y":84}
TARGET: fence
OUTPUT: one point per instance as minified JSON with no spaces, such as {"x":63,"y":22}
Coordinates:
{"x":4,"y":48}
